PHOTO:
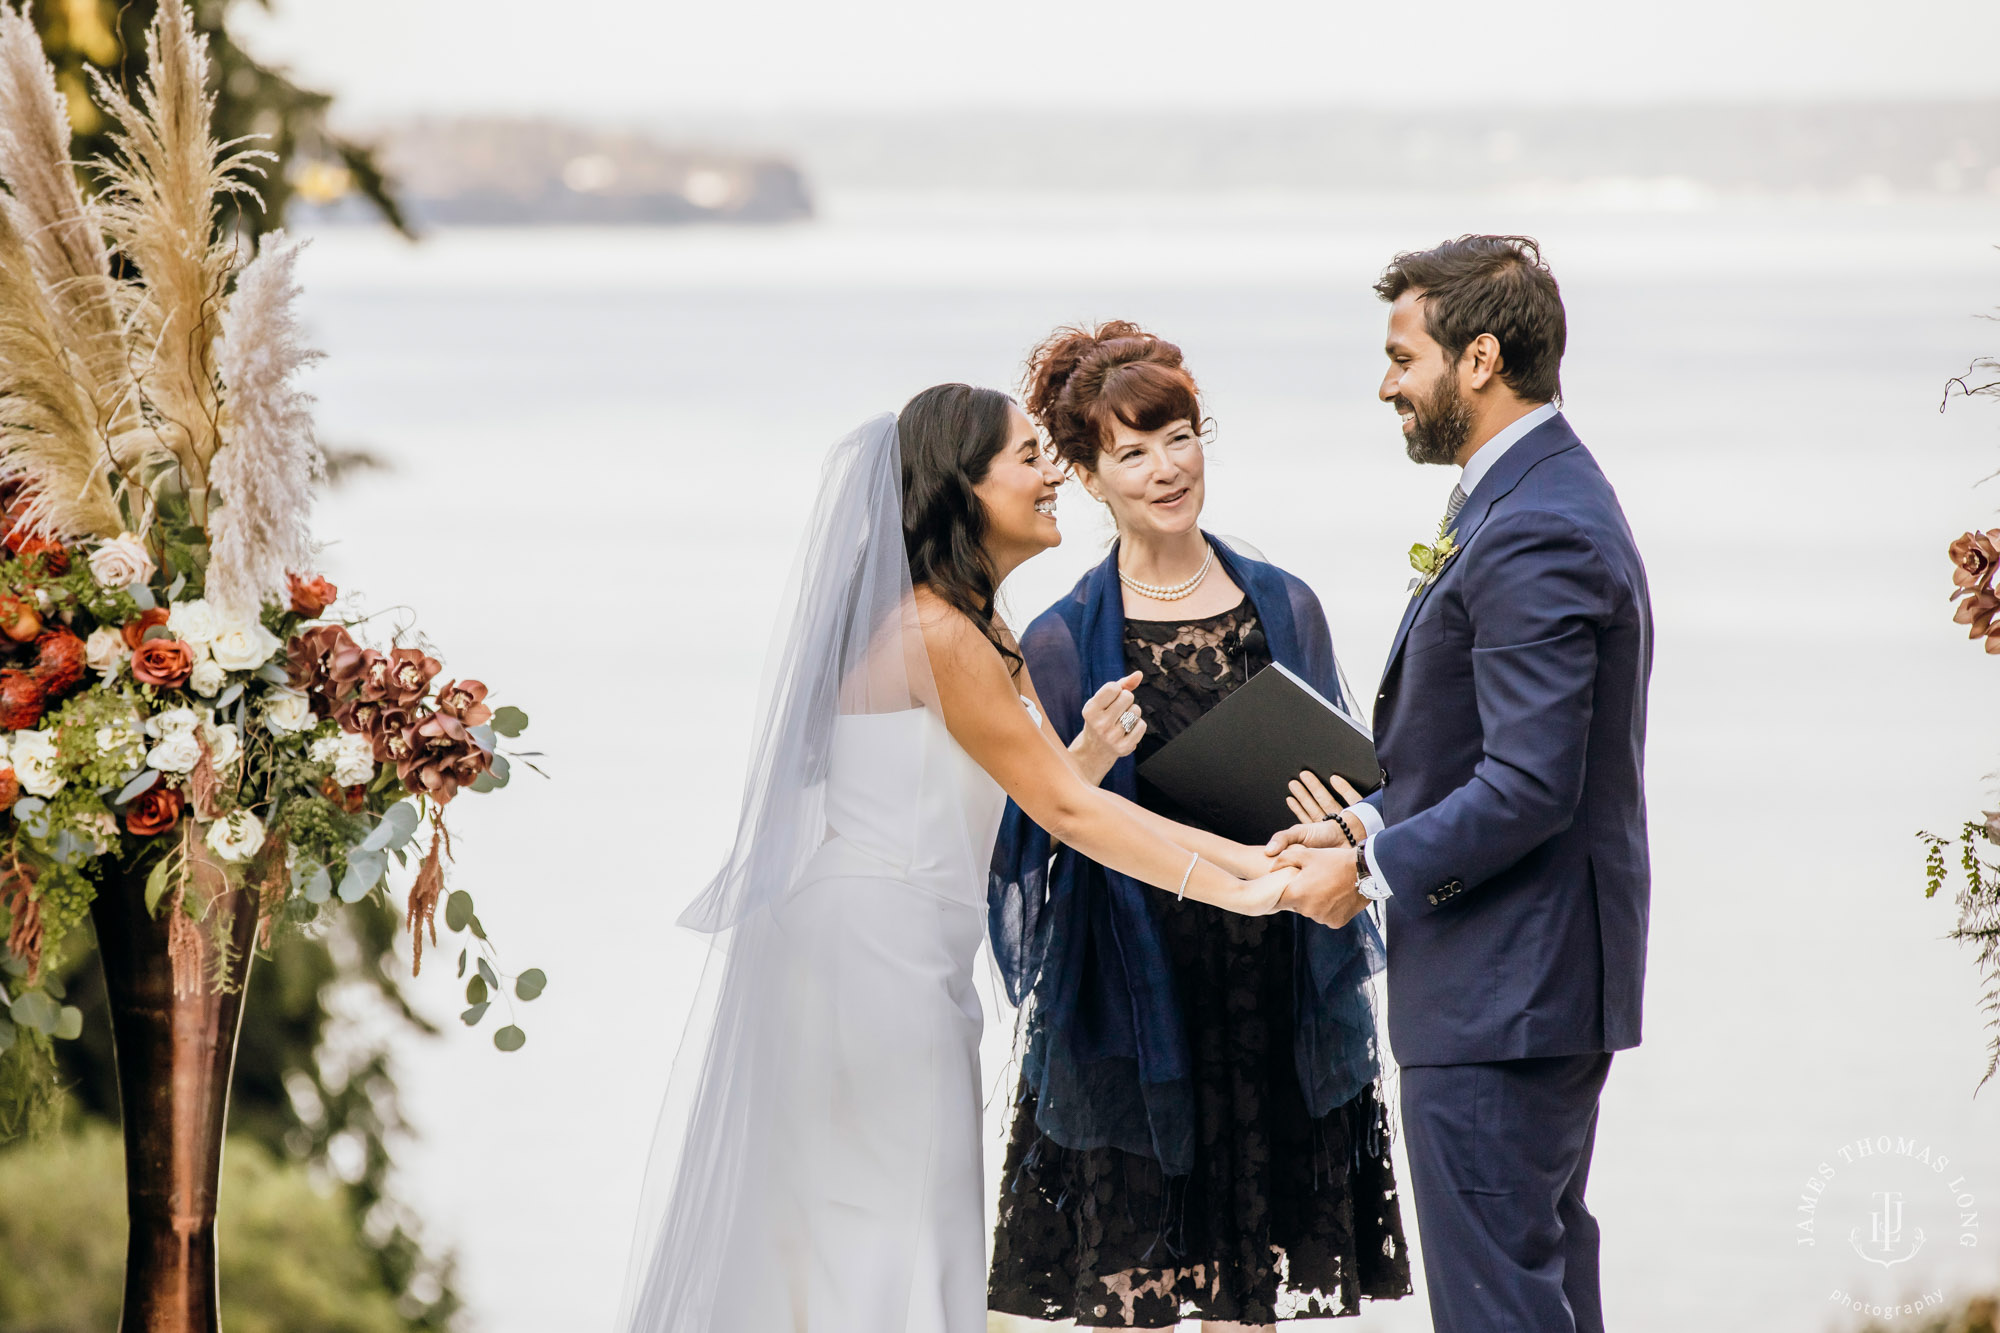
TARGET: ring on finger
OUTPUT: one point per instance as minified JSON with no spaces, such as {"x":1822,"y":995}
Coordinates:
{"x":1128,"y":720}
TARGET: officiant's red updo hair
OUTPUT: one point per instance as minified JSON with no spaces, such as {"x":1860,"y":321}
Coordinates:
{"x":1080,"y":380}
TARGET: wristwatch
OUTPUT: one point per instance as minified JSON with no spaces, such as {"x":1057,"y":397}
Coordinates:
{"x":1365,"y":883}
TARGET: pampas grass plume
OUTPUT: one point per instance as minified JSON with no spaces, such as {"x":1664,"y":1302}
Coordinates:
{"x":269,"y":464}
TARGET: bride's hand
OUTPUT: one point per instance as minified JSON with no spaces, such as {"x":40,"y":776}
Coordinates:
{"x":1264,"y":894}
{"x":1104,"y":740}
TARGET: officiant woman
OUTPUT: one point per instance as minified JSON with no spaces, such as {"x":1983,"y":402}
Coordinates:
{"x":1197,"y":1132}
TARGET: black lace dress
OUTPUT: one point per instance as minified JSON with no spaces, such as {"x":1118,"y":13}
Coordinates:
{"x":1284,"y":1216}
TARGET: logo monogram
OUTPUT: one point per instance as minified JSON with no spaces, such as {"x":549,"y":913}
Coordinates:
{"x":1885,"y":1232}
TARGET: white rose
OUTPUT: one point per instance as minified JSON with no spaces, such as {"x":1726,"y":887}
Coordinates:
{"x":105,"y":651}
{"x":224,"y":743}
{"x":206,"y":679}
{"x":288,"y":712}
{"x":236,"y":836}
{"x":34,"y":755}
{"x":241,"y":643}
{"x":173,"y":722}
{"x":194,"y":623}
{"x":121,"y":562}
{"x":352,"y":757}
{"x":176,"y":753}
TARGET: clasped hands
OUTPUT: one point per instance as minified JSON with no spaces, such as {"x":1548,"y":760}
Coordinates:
{"x":1324,"y":887}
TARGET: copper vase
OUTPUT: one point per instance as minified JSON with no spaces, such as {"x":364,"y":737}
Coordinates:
{"x":175,"y":1054}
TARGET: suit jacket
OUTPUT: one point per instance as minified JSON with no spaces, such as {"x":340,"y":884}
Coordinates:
{"x":1511,"y":725}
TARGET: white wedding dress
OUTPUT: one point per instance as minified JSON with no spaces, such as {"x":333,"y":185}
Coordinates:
{"x":877,"y":1220}
{"x":817,"y":1166}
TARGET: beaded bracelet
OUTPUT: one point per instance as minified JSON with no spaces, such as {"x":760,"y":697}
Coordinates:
{"x":1345,"y":831}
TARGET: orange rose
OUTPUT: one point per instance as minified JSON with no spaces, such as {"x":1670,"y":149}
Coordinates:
{"x":309,"y":599}
{"x":164,"y":662}
{"x":135,"y":631}
{"x":10,"y":788}
{"x":153,"y":811}
{"x":19,"y":620}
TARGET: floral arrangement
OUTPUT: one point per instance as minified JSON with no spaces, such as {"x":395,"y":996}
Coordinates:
{"x":1975,"y":567}
{"x":181,"y":704}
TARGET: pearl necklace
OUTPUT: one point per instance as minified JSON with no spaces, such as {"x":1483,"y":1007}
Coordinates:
{"x":1176,"y":591}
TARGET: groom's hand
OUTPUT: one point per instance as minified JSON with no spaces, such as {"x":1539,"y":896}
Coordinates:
{"x":1326,"y":834}
{"x":1324,"y":889}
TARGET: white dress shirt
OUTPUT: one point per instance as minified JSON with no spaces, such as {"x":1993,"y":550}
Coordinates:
{"x":1476,"y":467}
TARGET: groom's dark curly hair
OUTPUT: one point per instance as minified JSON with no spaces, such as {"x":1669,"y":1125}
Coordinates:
{"x":1490,"y":284}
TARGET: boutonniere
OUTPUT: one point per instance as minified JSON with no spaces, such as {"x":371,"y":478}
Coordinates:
{"x":1429,"y":561}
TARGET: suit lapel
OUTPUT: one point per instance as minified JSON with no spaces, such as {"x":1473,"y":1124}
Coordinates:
{"x":1544,"y":441}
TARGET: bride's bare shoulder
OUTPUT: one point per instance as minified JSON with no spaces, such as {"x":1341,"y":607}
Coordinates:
{"x":952,"y":639}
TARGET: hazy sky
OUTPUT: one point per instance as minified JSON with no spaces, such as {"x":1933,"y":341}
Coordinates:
{"x":625,"y":58}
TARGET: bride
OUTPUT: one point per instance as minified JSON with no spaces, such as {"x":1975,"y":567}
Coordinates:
{"x":817,"y":1167}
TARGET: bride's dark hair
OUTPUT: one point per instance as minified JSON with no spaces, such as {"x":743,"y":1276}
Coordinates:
{"x":949,"y":436}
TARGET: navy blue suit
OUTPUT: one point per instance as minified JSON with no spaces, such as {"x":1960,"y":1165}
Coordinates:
{"x":1512,"y":725}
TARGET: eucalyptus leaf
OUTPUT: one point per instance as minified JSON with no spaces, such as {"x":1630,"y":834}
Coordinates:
{"x":530,"y":984}
{"x":274,"y":673}
{"x":69,"y":1023}
{"x":132,"y":790}
{"x":6,"y":1033}
{"x":501,"y":770}
{"x":482,"y":736}
{"x":510,"y":1038}
{"x":319,"y":886}
{"x":15,"y":967}
{"x":510,"y":721}
{"x":475,"y":991}
{"x":68,"y":849}
{"x":461,"y":962}
{"x":472,"y":1016}
{"x":458,"y":909}
{"x":155,"y":632}
{"x":35,"y":1010}
{"x":229,"y":696}
{"x":486,"y":971}
{"x":178,"y":585}
{"x":478,"y":931}
{"x":54,"y":988}
{"x":29,"y":806}
{"x":484,"y":783}
{"x":401,"y":821}
{"x":142,"y":595}
{"x":158,"y":880}
{"x":364,"y":868}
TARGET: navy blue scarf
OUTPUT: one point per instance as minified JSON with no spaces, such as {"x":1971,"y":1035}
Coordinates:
{"x":1107,"y":1053}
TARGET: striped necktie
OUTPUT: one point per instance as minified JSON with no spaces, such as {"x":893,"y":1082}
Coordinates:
{"x":1452,"y":506}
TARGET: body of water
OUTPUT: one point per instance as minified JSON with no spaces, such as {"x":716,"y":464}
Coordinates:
{"x":603,"y":444}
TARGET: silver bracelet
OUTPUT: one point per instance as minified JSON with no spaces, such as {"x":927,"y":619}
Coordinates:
{"x":1188,"y":874}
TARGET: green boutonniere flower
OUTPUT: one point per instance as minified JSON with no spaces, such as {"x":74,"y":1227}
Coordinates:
{"x":1429,"y":561}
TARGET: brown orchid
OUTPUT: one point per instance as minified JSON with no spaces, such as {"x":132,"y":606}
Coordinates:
{"x":326,"y":663}
{"x":1974,"y":558}
{"x":444,"y":757}
{"x":466,"y":701}
{"x":1977,"y":611}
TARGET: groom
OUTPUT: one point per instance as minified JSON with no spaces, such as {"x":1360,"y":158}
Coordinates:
{"x":1508,"y":841}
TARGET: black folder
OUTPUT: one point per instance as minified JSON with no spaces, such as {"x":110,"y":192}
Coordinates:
{"x":1229,"y":770}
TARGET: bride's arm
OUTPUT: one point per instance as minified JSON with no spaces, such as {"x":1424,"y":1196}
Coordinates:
{"x":983,"y":712}
{"x":1235,"y":857}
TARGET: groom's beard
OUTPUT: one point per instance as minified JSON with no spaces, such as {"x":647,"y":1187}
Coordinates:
{"x":1440,"y":425}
